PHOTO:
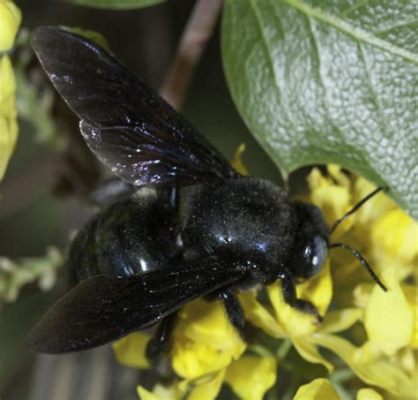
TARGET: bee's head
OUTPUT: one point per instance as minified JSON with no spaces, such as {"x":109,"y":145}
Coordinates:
{"x":312,"y":241}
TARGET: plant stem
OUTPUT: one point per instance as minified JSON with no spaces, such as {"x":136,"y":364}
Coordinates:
{"x":260,"y":350}
{"x":283,"y":349}
{"x":196,"y":34}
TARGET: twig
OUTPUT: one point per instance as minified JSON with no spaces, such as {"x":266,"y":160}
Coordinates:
{"x":196,"y":34}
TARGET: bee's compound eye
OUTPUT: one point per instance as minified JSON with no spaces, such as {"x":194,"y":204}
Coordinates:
{"x":315,"y":255}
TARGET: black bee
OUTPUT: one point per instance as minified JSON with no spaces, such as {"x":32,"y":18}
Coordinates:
{"x":185,"y":225}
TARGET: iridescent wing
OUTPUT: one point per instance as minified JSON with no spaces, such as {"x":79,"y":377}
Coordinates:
{"x":127,"y":125}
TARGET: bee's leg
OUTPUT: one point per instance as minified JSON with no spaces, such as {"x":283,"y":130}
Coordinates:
{"x":161,"y":341}
{"x":236,"y":315}
{"x":289,"y":294}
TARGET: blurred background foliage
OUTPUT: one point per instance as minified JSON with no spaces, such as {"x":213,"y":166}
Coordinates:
{"x":42,"y":196}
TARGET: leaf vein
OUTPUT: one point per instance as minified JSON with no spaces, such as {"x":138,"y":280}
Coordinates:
{"x":402,"y":24}
{"x":381,"y":120}
{"x":357,"y":33}
{"x":321,"y":80}
{"x":266,"y":46}
{"x":354,"y":7}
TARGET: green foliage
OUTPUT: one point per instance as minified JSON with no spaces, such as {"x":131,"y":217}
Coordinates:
{"x":117,"y":4}
{"x":329,"y":81}
{"x":15,"y":275}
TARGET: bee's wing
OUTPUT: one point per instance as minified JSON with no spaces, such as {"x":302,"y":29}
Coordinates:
{"x":102,"y":309}
{"x":128,"y":126}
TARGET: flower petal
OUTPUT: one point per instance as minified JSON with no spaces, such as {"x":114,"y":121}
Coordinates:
{"x":145,"y":394}
{"x":206,"y":322}
{"x":309,"y":351}
{"x":318,"y":389}
{"x":362,"y":293}
{"x":8,"y":122}
{"x":160,"y":392}
{"x":371,"y":370}
{"x":204,"y":340}
{"x":294,"y":322}
{"x":207,"y":390}
{"x":389,"y":319}
{"x":130,"y":350}
{"x":237,"y":163}
{"x":373,"y":208}
{"x":258,"y":315}
{"x":395,"y":235}
{"x":317,"y":290}
{"x":192,"y":360}
{"x":368,"y":394}
{"x":332,"y":198}
{"x":250,"y":377}
{"x":339,"y":176}
{"x":10,"y":18}
{"x":411,"y":294}
{"x":337,"y":321}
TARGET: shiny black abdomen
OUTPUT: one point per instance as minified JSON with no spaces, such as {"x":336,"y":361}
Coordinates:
{"x":130,"y":237}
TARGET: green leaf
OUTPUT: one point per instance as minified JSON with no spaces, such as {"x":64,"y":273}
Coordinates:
{"x":117,"y":4}
{"x":329,"y":81}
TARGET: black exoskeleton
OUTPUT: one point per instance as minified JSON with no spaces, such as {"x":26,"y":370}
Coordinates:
{"x":188,"y":225}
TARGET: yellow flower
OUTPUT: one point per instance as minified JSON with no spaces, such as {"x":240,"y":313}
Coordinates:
{"x":375,"y":333}
{"x":250,"y":376}
{"x":8,"y":120}
{"x":387,"y":237}
{"x":318,"y":389}
{"x":322,"y":389}
{"x":204,"y":340}
{"x":130,"y":350}
{"x":160,"y":392}
{"x":394,"y":241}
{"x":331,"y":195}
{"x":9,"y":23}
{"x":389,"y":317}
{"x":368,"y":394}
{"x":206,"y":353}
{"x":237,"y":162}
{"x":205,"y":343}
{"x":10,"y":18}
{"x":302,"y":329}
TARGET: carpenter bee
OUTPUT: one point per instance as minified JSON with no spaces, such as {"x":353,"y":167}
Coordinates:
{"x":187,"y":225}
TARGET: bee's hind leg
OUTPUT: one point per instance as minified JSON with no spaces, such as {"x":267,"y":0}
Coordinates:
{"x":161,"y":342}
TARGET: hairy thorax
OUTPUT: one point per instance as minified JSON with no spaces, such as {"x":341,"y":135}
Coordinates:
{"x":249,"y":219}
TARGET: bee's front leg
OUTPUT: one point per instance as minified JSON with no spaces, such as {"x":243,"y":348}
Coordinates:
{"x":236,"y":315}
{"x":289,"y":294}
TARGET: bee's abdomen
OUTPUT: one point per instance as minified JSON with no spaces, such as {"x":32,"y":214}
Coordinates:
{"x":130,"y":237}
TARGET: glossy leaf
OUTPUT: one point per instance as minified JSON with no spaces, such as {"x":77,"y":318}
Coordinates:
{"x":329,"y":81}
{"x":117,"y":4}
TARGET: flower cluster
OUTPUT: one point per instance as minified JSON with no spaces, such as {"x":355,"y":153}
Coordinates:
{"x":9,"y":23}
{"x":369,"y":333}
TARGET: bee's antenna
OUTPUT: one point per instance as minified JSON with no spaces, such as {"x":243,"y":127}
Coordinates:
{"x":362,"y":260}
{"x":354,"y":209}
